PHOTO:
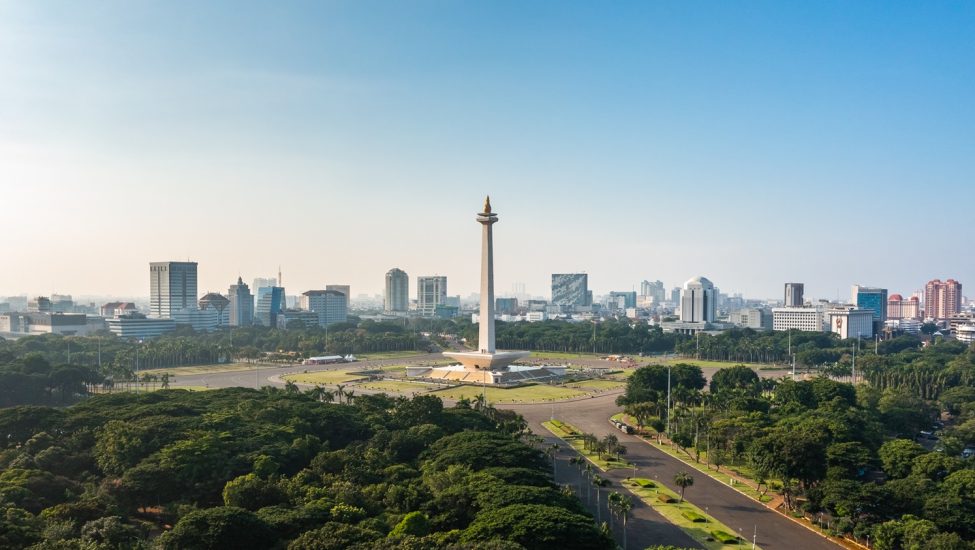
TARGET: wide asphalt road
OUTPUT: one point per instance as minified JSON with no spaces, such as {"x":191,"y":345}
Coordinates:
{"x":728,"y":506}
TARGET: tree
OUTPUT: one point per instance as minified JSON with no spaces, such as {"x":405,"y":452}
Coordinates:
{"x":220,"y":527}
{"x":738,"y":377}
{"x":897,"y":456}
{"x":414,"y":523}
{"x":252,"y":493}
{"x":621,"y":506}
{"x":537,"y":526}
{"x":683,"y":480}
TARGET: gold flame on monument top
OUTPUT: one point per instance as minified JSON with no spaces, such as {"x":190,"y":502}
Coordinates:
{"x":487,"y":204}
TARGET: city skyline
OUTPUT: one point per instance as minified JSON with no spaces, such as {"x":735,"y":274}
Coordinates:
{"x":749,"y":146}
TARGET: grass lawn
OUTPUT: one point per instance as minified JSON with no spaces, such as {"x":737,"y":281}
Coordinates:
{"x":204,"y":369}
{"x":398,"y":386}
{"x":680,"y":514}
{"x":596,"y":385}
{"x":388,"y":355}
{"x":570,"y":435}
{"x":523,"y":394}
{"x":325,"y":377}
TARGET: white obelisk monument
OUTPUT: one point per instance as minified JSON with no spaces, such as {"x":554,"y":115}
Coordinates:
{"x":487,"y":357}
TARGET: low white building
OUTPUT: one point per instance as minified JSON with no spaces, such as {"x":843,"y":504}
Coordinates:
{"x":909,"y":326}
{"x":808,"y":319}
{"x":202,"y":320}
{"x":139,"y":327}
{"x":965,"y":333}
{"x":36,"y":322}
{"x":851,"y":323}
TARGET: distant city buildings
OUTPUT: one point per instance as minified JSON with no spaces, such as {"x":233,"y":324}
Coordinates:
{"x":698,"y":301}
{"x":808,"y":319}
{"x":506,"y":306}
{"x":48,"y":322}
{"x":852,"y":323}
{"x":213,"y":301}
{"x":331,"y":306}
{"x":899,"y":308}
{"x":752,"y":317}
{"x":344,"y":289}
{"x":571,"y":289}
{"x":397,"y":296}
{"x":622,"y":299}
{"x":241,"y":304}
{"x":653,"y":291}
{"x":942,"y":300}
{"x":138,"y":326}
{"x":270,"y":302}
{"x":794,"y":295}
{"x":264,"y":282}
{"x":172,"y":287}
{"x":874,"y":299}
{"x":431,"y":291}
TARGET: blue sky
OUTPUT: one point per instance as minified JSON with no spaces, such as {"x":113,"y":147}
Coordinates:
{"x":750,"y":142}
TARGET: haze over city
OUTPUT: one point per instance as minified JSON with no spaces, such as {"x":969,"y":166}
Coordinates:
{"x":754,"y":144}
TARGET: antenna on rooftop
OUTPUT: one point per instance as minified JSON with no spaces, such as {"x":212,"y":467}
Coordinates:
{"x":280,"y":278}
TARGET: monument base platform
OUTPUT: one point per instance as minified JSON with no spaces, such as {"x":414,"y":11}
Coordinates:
{"x":507,"y":376}
{"x":487,"y":361}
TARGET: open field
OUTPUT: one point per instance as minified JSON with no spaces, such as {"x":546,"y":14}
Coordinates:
{"x":569,"y":434}
{"x":325,"y":377}
{"x":398,"y":386}
{"x":388,"y":355}
{"x":523,"y":394}
{"x":205,"y":369}
{"x":596,"y":385}
{"x":653,"y":493}
{"x":562,"y":355}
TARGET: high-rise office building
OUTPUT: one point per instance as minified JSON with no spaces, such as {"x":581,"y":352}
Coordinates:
{"x":622,"y":299}
{"x":506,"y":306}
{"x":264,"y":282}
{"x":942,"y":300}
{"x":331,"y":306}
{"x":172,"y":287}
{"x":219,"y":303}
{"x":241,"y":304}
{"x":431,"y":291}
{"x":698,"y":301}
{"x":397,"y":296}
{"x":344,"y":289}
{"x":270,"y":302}
{"x":874,"y":299}
{"x":570,"y":289}
{"x":675,"y":295}
{"x":793,"y":295}
{"x":653,"y":290}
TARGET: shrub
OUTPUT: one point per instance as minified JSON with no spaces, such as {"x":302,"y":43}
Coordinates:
{"x":665,"y":498}
{"x":693,"y":516}
{"x":724,"y":537}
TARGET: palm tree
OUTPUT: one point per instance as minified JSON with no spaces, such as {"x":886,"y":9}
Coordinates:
{"x":683,"y":480}
{"x":621,"y":505}
{"x":291,"y":387}
{"x":316,"y":393}
{"x":340,"y":392}
{"x":328,"y":396}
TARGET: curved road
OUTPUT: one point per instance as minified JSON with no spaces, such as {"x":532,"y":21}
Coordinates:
{"x":735,"y":510}
{"x":646,"y":527}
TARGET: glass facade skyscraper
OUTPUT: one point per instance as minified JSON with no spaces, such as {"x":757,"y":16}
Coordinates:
{"x":270,"y":302}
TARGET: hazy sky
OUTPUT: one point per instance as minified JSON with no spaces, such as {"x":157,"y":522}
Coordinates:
{"x":750,"y":142}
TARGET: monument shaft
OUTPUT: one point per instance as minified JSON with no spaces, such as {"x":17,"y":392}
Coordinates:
{"x":485,"y":338}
